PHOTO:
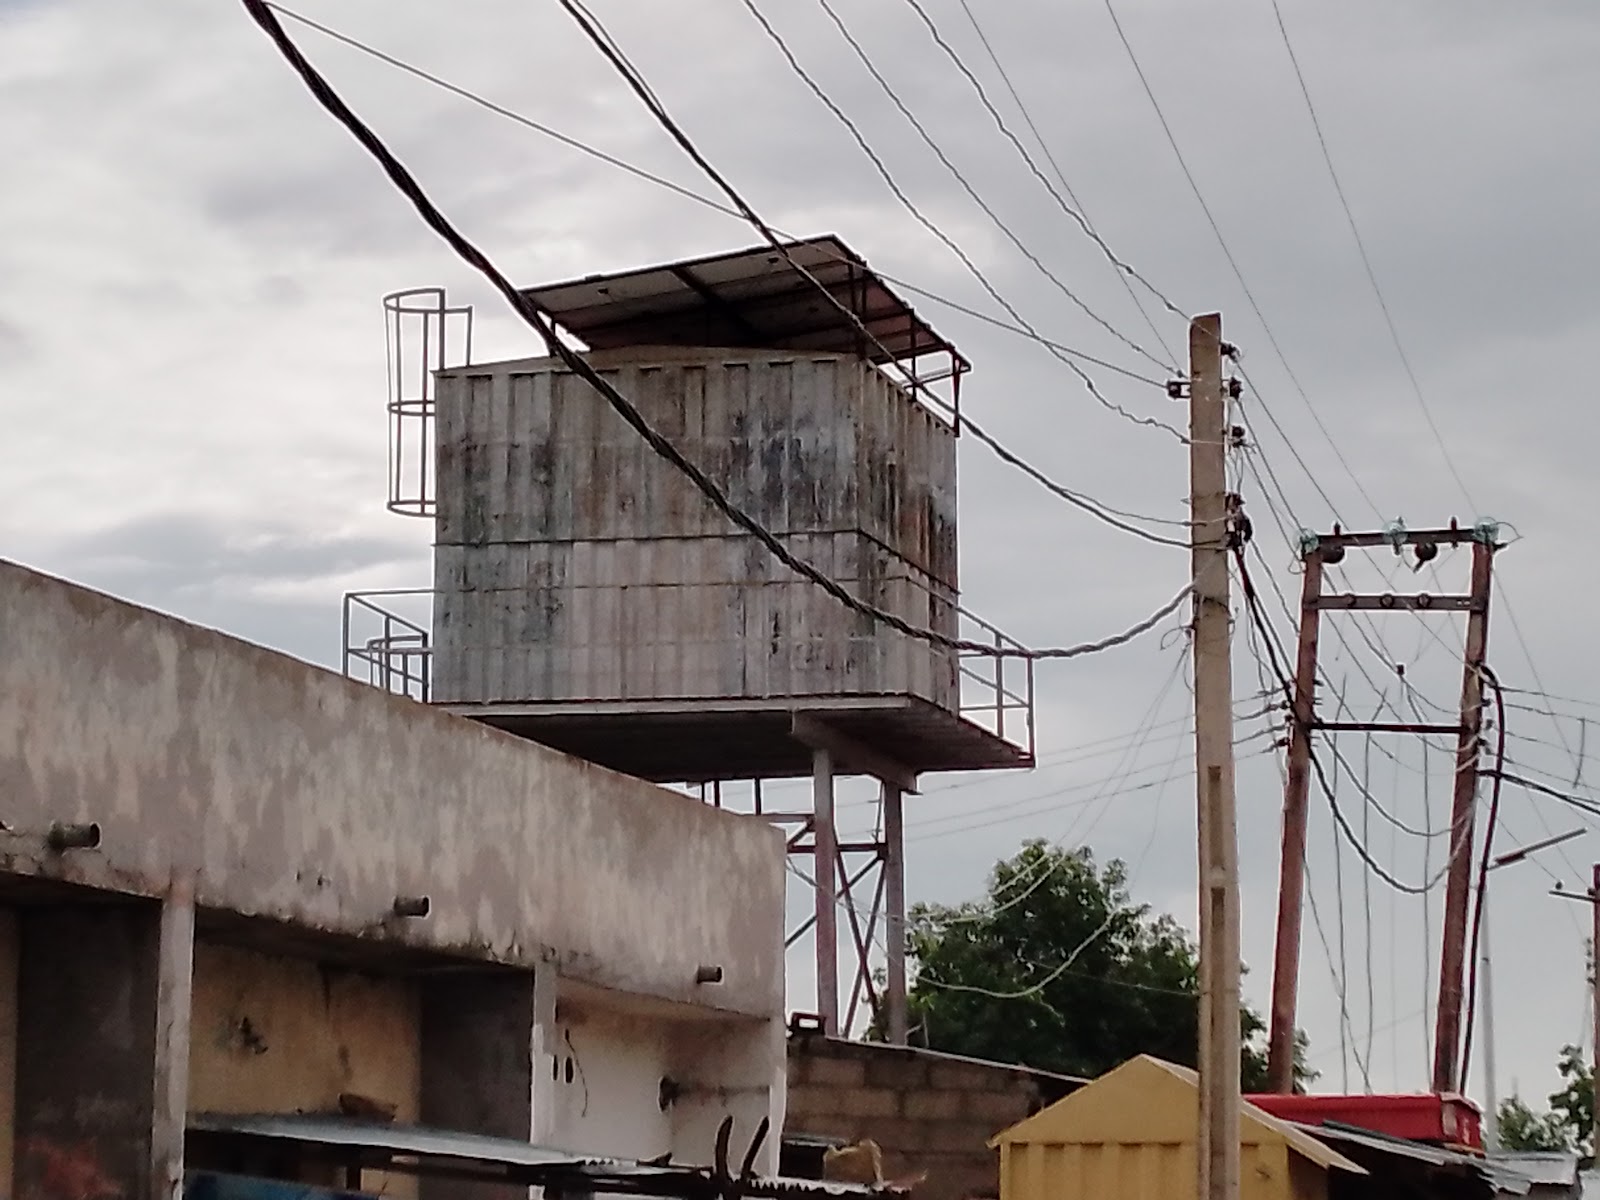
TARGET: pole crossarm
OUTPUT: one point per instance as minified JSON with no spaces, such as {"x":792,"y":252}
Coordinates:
{"x":1385,"y":727}
{"x":1395,"y":602}
{"x":1451,"y":535}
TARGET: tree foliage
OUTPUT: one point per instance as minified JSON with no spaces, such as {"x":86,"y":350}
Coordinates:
{"x":1568,"y":1125}
{"x":1521,"y":1128}
{"x":1057,"y":968}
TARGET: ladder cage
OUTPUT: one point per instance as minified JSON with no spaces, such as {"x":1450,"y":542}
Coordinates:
{"x":424,"y":334}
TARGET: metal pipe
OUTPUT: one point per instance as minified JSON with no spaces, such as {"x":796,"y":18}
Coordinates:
{"x":73,"y":837}
{"x":412,"y":906}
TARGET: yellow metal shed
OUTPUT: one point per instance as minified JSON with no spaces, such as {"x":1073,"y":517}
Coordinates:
{"x":1131,"y":1135}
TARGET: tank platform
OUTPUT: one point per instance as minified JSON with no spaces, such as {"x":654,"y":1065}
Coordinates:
{"x":694,"y":741}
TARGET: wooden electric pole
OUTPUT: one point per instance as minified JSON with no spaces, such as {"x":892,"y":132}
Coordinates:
{"x":1291,"y":863}
{"x":1463,"y":809}
{"x":1327,"y":550}
{"x":1213,"y":747}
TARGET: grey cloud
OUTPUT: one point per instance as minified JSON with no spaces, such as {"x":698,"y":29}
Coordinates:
{"x":340,"y":210}
{"x":1455,"y":132}
{"x":173,"y":551}
{"x":15,"y":344}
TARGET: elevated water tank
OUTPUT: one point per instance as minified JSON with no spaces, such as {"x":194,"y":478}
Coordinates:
{"x":588,"y":596}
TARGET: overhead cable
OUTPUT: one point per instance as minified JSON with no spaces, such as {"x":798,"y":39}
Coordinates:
{"x":1061,"y":178}
{"x":1366,"y":260}
{"x":1253,"y":605}
{"x":1490,"y":825}
{"x":1222,"y":242}
{"x":1089,"y":504}
{"x":663,"y":447}
{"x":972,"y":192}
{"x":1077,"y":216}
{"x":911,"y":207}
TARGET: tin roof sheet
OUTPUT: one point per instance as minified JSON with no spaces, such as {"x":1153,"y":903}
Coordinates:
{"x":751,"y":297}
{"x":523,"y":1161}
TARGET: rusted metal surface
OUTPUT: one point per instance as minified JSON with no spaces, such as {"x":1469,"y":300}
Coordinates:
{"x":747,"y":298}
{"x":574,"y":565}
{"x":289,"y":793}
{"x":445,"y":1153}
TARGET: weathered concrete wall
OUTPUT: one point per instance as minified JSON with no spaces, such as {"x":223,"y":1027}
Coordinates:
{"x":929,"y":1112}
{"x":607,"y":1070}
{"x":270,"y":1034}
{"x":274,"y":1034}
{"x":282,"y":790}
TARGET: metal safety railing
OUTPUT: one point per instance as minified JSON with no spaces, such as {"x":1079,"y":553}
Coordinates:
{"x":996,"y":690}
{"x":389,"y":650}
{"x":393,"y":651}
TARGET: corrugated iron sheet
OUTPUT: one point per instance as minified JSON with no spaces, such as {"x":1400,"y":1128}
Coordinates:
{"x":573,"y":564}
{"x":522,"y":1162}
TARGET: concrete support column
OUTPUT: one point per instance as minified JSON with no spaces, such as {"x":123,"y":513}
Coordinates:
{"x":894,"y":893}
{"x":548,"y":1123}
{"x":826,"y":890}
{"x":174,"y":991}
{"x":478,"y":1032}
{"x":89,"y":1073}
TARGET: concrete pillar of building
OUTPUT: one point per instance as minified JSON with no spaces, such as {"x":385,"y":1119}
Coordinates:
{"x":477,"y":1065}
{"x":102,"y":1045}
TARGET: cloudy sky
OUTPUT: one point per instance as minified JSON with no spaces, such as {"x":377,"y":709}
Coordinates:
{"x":193,"y":354}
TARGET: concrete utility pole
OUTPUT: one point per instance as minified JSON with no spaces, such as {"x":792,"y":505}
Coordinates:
{"x":1213,"y":746}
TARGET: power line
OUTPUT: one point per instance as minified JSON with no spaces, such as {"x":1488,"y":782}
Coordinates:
{"x":1123,"y":268}
{"x":1227,"y":252}
{"x":1578,"y":802}
{"x":1044,"y":146}
{"x":1088,"y":503}
{"x":1253,"y":606}
{"x":1361,"y":248}
{"x":972,"y":192}
{"x":1254,"y":638}
{"x":663,"y":447}
{"x":911,"y":207}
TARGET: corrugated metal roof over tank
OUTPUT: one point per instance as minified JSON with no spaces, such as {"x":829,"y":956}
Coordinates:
{"x":1132,"y":1135}
{"x":583,"y":583}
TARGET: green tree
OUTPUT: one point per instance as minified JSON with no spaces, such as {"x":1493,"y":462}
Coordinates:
{"x":1057,"y":968}
{"x":1574,"y":1103}
{"x":1570,"y":1122}
{"x":1521,"y":1128}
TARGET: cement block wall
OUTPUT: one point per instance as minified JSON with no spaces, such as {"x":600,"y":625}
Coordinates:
{"x":928,"y":1112}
